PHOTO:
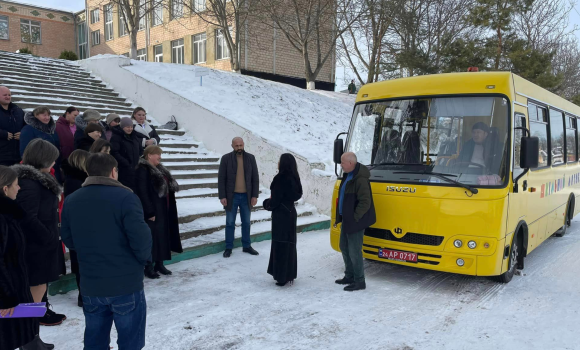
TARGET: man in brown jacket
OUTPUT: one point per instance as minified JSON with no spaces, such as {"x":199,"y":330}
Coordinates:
{"x":238,"y":187}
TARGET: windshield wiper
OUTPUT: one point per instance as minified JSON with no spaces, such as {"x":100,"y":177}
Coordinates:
{"x":442,"y":177}
{"x":381,"y":164}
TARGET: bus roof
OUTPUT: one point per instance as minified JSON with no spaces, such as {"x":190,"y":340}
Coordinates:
{"x":464,"y":83}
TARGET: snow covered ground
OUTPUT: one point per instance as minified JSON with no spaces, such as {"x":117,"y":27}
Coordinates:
{"x":302,"y":121}
{"x":216,"y":303}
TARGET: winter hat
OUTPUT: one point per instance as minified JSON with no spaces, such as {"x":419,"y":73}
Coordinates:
{"x":91,"y":114}
{"x":111,"y":117}
{"x":125,"y":122}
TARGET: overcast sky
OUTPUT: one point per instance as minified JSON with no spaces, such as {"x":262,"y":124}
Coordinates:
{"x":77,"y":5}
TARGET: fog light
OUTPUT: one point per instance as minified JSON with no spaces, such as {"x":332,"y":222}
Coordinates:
{"x":460,"y":262}
{"x":471,"y":244}
{"x":486,"y":245}
{"x":458,"y":243}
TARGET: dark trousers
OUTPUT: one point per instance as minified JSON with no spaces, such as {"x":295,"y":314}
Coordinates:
{"x":240,"y":201}
{"x":129,"y":312}
{"x":351,"y":248}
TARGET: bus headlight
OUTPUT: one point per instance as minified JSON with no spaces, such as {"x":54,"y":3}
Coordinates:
{"x":458,"y":243}
{"x":471,"y":244}
{"x":460,"y":262}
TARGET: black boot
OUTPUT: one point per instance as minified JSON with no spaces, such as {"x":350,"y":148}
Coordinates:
{"x":345,"y":280}
{"x":48,"y":346}
{"x":227,"y":253}
{"x":251,"y":251}
{"x":159,"y":267}
{"x":80,"y":301}
{"x":51,"y":318}
{"x":36,"y":344}
{"x":150,"y":272}
{"x":355,"y":286}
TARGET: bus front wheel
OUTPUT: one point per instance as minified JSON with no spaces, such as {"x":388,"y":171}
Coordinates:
{"x":513,"y":261}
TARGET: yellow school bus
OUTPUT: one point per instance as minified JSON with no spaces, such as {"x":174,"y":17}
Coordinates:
{"x":470,"y":172}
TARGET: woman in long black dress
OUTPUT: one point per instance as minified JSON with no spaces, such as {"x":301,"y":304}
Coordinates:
{"x":14,"y":286}
{"x":156,"y":188}
{"x":286,"y":189}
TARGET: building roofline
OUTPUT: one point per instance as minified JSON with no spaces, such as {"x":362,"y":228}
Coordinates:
{"x":37,"y":6}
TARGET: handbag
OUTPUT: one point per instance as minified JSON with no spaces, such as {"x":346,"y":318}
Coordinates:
{"x":171,"y":124}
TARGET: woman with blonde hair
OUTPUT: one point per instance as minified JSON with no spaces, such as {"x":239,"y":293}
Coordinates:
{"x":145,"y":131}
{"x":75,"y":174}
{"x":156,"y":188}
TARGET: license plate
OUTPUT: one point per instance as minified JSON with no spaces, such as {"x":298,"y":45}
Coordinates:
{"x":397,"y":255}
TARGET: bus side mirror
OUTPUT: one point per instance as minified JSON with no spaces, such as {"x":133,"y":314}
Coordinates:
{"x":529,"y":152}
{"x":338,"y":150}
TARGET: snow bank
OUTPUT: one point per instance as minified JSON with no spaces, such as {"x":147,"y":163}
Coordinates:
{"x":302,"y":121}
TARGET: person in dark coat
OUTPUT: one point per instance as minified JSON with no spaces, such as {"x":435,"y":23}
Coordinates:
{"x":286,"y":189}
{"x":103,"y":222}
{"x":75,"y":174}
{"x":156,"y":188}
{"x":14,"y":287}
{"x":238,"y":187}
{"x":11,"y":124}
{"x":66,"y":128}
{"x":108,"y":125}
{"x":351,"y":88}
{"x":93,"y":132}
{"x":126,"y":148}
{"x":41,"y":126}
{"x":90,"y":116}
{"x":39,"y":197}
{"x":145,"y":131}
{"x":355,"y":212}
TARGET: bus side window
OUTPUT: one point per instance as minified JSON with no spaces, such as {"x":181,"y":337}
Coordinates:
{"x":519,"y":120}
{"x":539,"y":129}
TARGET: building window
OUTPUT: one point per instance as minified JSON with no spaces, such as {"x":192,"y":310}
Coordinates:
{"x":221,"y":50}
{"x":198,"y":5}
{"x":199,"y":47}
{"x":158,"y":52}
{"x":95,"y":16}
{"x":570,"y":138}
{"x":176,"y":9}
{"x":82,"y":40}
{"x":4,"y":27}
{"x":30,"y":31}
{"x":177,"y":51}
{"x":122,"y":24}
{"x":142,"y":15}
{"x":96,"y":37}
{"x":157,"y":15}
{"x":108,"y":10}
{"x":142,"y":55}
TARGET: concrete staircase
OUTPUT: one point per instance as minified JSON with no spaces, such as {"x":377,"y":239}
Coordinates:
{"x":59,"y":84}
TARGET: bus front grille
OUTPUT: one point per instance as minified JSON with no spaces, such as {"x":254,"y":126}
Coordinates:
{"x":410,"y":237}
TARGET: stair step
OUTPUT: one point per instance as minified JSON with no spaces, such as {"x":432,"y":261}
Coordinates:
{"x":180,"y":145}
{"x":42,"y":62}
{"x":180,"y":150}
{"x":189,"y":159}
{"x":170,"y":132}
{"x":192,"y":166}
{"x":53,"y":86}
{"x":57,"y":108}
{"x":14,"y":86}
{"x":201,"y":185}
{"x":39,"y":70}
{"x":71,"y":100}
{"x":52,"y":75}
{"x":48,"y":81}
{"x":25,"y":95}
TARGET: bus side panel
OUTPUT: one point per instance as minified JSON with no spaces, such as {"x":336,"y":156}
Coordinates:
{"x":533,"y":237}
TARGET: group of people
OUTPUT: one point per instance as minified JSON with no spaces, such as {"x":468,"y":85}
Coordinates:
{"x":98,"y":186}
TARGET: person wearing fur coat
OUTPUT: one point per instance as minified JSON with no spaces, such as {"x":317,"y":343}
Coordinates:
{"x":156,"y":188}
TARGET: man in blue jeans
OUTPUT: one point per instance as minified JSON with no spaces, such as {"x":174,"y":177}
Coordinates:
{"x":104,"y":223}
{"x":238,"y":187}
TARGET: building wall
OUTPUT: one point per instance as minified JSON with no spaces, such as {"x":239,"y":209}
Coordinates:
{"x":267,"y":51}
{"x":57,"y":29}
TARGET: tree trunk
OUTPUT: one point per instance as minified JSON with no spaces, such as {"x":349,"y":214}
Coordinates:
{"x":499,"y":48}
{"x":133,"y":50}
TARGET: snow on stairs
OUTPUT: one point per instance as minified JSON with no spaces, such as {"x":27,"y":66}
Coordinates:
{"x":201,"y":216}
{"x":57,"y":84}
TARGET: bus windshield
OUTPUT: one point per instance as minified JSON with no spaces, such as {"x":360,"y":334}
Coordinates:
{"x":432,"y":140}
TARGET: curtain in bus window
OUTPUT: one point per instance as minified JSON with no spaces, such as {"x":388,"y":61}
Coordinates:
{"x":462,"y":107}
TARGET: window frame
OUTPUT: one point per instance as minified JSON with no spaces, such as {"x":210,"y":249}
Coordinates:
{"x":195,"y":5}
{"x":142,"y":15}
{"x":97,"y":18}
{"x":110,"y":33}
{"x":30,"y":25}
{"x":196,"y":43}
{"x":122,"y":25}
{"x":523,"y":119}
{"x":548,"y":133}
{"x":219,"y":34}
{"x":144,"y":55}
{"x":7,"y":19}
{"x":173,"y":8}
{"x":550,"y":109}
{"x":97,"y":34}
{"x":156,"y":55}
{"x":154,"y":17}
{"x":83,"y":47}
{"x":176,"y":48}
{"x":574,"y":120}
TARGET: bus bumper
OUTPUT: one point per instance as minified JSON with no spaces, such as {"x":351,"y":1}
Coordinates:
{"x":444,"y":261}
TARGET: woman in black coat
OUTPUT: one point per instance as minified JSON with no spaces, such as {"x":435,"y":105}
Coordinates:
{"x":93,"y":132}
{"x":74,"y":169}
{"x":126,"y":148}
{"x":14,"y":286}
{"x":39,"y":196}
{"x":286,"y":189}
{"x":156,"y":188}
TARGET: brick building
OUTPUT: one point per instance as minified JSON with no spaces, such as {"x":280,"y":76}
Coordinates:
{"x":44,"y":31}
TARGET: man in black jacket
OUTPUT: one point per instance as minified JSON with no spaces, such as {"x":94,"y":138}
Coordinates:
{"x":112,"y":249}
{"x":11,"y":123}
{"x":356,"y":212}
{"x":238,"y":186}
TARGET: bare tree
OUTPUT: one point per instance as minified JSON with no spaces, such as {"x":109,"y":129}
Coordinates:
{"x":312,"y":27}
{"x":230,"y":17}
{"x":566,"y":62}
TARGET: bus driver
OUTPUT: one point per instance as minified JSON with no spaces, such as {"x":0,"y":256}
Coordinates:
{"x":473,"y":151}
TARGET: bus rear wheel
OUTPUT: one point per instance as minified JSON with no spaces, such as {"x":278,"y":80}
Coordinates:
{"x":512,"y":264}
{"x":569,"y":216}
